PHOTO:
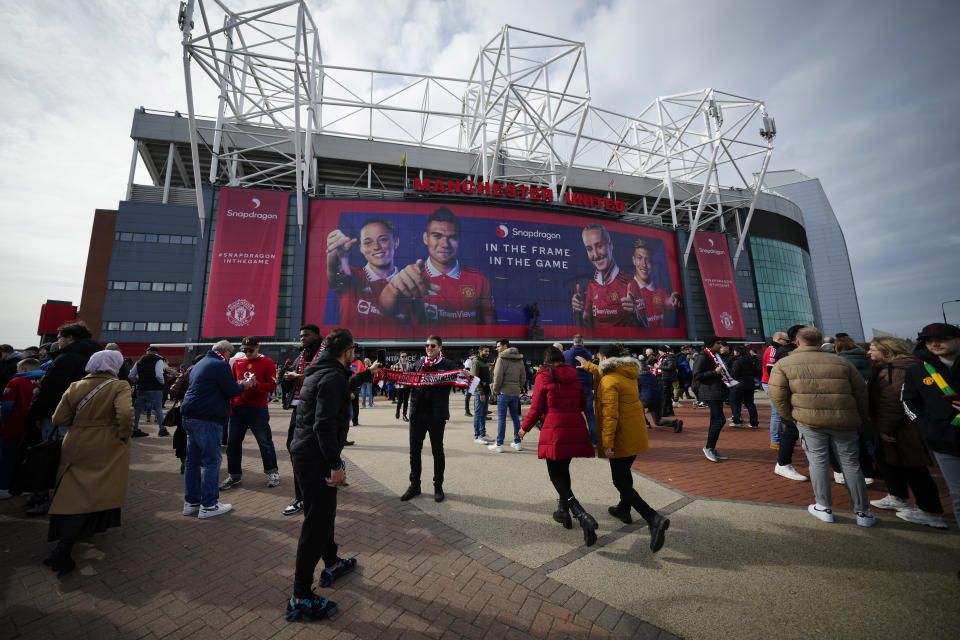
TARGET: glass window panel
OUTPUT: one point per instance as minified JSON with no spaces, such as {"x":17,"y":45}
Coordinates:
{"x":157,"y":286}
{"x":138,"y":237}
{"x":164,"y":326}
{"x":126,"y":237}
{"x":132,"y":285}
{"x":139,"y":326}
{"x":182,"y":286}
{"x":176,"y":326}
{"x":174,"y":239}
{"x":163,"y":238}
{"x":169,"y":286}
{"x":126,"y":326}
{"x":151,"y":237}
{"x":113,"y":326}
{"x":145,"y":286}
{"x":153,"y":326}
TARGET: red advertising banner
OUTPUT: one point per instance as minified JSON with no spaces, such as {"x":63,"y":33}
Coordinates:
{"x":716,"y":271}
{"x":245,"y":267}
{"x":408,"y":269}
{"x":54,"y":314}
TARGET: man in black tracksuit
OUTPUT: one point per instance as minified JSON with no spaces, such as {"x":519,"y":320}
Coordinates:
{"x":310,"y":340}
{"x":429,"y":412}
{"x":323,"y":420}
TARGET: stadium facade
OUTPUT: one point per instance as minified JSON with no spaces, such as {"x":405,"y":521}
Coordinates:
{"x":500,"y":190}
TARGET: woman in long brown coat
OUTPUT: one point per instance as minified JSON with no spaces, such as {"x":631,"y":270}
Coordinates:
{"x":901,"y":453}
{"x":95,"y":457}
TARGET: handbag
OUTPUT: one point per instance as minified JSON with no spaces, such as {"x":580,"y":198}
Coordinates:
{"x":173,"y":417}
{"x":37,"y":470}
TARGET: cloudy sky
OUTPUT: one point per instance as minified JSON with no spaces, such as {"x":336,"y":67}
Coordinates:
{"x":866,"y":96}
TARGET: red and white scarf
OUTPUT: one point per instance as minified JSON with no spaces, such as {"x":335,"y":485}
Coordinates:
{"x":429,"y":363}
{"x":300,"y":366}
{"x":457,"y":378}
{"x":724,"y":374}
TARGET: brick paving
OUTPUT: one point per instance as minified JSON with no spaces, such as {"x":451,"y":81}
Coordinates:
{"x":163,"y":575}
{"x":676,"y":460}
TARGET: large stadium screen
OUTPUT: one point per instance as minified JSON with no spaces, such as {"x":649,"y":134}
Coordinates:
{"x":403,"y":270}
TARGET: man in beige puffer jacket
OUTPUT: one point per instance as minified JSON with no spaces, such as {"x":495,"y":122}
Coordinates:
{"x":826,"y":397}
{"x":509,"y":374}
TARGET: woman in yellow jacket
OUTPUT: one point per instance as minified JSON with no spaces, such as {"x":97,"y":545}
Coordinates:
{"x":622,"y":433}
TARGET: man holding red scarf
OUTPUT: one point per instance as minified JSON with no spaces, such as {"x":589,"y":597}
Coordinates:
{"x":711,"y":374}
{"x":429,"y":412}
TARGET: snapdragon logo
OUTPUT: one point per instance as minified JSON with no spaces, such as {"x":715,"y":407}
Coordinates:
{"x":503,"y":231}
{"x":252,"y":214}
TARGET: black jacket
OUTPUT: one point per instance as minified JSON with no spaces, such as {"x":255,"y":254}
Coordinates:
{"x":925,"y":405}
{"x":668,"y":368}
{"x":709,"y":383}
{"x":147,"y":373}
{"x":744,"y":370}
{"x":432,"y":403}
{"x":67,"y":367}
{"x":323,"y":413}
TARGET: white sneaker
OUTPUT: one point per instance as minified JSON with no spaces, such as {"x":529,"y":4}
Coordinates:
{"x":216,"y":510}
{"x":868,"y":480}
{"x":488,"y":438}
{"x":711,"y":455}
{"x":516,"y":445}
{"x":480,"y":440}
{"x":719,"y":455}
{"x":890,"y":502}
{"x":273,"y":480}
{"x":823,"y":513}
{"x":787,"y":471}
{"x":916,"y":516}
{"x":838,"y":478}
{"x":496,"y":448}
{"x":190,"y":509}
{"x":865,"y":519}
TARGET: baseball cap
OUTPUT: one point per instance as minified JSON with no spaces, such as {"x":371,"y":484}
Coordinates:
{"x":249,"y":342}
{"x":939,"y":330}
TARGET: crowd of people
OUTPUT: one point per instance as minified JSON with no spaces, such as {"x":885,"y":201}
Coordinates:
{"x":889,"y":411}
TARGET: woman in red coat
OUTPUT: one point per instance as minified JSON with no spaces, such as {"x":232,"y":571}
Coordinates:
{"x":558,"y":398}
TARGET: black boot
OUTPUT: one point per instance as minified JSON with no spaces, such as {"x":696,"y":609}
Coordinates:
{"x":658,"y":527}
{"x":587,"y":523}
{"x":621,"y":512}
{"x":562,"y":514}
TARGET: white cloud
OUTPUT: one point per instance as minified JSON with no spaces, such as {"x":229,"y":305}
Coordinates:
{"x":864,"y":94}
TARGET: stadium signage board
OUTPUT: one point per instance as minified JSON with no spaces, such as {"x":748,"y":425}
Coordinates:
{"x":513,"y":192}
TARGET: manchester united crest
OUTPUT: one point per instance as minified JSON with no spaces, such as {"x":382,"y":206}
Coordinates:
{"x":240,"y":312}
{"x":614,"y":296}
{"x":468,"y":291}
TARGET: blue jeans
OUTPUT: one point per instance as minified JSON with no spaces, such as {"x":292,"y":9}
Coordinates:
{"x":366,"y":392}
{"x":203,"y":450}
{"x":512,"y":404}
{"x":774,"y":418}
{"x":950,"y":467}
{"x":154,"y":399}
{"x":480,"y":416}
{"x":257,"y":419}
{"x":717,"y":421}
{"x":591,"y":417}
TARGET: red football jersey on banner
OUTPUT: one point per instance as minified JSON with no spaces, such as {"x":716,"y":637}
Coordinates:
{"x":359,"y":299}
{"x":464,"y":295}
{"x":604,"y":300}
{"x":654,"y":301}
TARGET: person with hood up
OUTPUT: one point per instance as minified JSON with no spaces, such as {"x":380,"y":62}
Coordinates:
{"x":94,"y":459}
{"x":623,"y":434}
{"x":586,"y":381}
{"x":559,"y":400}
{"x":850,"y":351}
{"x":902,"y":455}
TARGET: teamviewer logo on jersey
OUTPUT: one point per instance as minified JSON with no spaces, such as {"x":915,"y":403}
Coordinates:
{"x":240,"y":312}
{"x":502,"y":231}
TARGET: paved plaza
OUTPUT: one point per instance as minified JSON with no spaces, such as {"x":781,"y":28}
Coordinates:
{"x":742,"y":557}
